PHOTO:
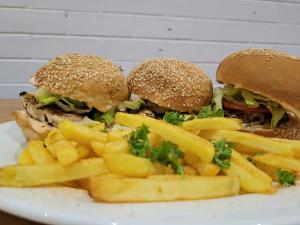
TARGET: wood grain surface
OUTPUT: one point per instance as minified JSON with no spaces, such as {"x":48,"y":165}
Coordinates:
{"x":6,"y":107}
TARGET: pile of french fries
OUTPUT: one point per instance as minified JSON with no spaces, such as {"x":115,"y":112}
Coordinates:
{"x":84,"y":156}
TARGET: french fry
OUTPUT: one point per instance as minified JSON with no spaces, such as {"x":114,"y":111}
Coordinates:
{"x":42,"y":174}
{"x":52,"y":137}
{"x":128,"y":165}
{"x":98,"y":148}
{"x":252,"y":179}
{"x":118,"y":146}
{"x":278,"y":161}
{"x":187,"y":140}
{"x":207,"y":169}
{"x":213,"y":123}
{"x":295,"y":144}
{"x":25,"y":158}
{"x":203,"y":168}
{"x":117,"y":135}
{"x":270,"y":170}
{"x":248,"y":142}
{"x":65,"y":152}
{"x":164,"y":188}
{"x":154,"y":139}
{"x":188,"y":170}
{"x":83,"y":151}
{"x":80,"y":133}
{"x":39,"y":153}
{"x":98,"y":127}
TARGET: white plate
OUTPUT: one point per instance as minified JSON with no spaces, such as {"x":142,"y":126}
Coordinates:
{"x":70,"y":206}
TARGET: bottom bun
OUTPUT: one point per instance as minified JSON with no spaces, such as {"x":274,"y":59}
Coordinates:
{"x":292,"y":133}
{"x":32,"y":128}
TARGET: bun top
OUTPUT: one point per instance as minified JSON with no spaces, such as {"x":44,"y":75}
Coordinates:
{"x":171,"y":83}
{"x":91,"y":79}
{"x":270,"y":73}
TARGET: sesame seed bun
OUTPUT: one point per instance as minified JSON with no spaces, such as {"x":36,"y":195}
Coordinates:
{"x":171,"y":83}
{"x":270,"y":73}
{"x":91,"y":79}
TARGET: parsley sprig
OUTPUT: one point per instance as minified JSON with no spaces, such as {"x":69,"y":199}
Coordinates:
{"x":176,"y":118}
{"x":223,"y":153}
{"x":209,"y":111}
{"x":167,"y":153}
{"x":286,"y":178}
{"x":138,"y":141}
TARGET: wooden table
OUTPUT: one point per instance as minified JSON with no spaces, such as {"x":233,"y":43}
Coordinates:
{"x":6,"y":107}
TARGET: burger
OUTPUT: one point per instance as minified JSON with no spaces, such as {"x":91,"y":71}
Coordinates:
{"x":80,"y":88}
{"x":164,"y":85}
{"x":262,"y":87}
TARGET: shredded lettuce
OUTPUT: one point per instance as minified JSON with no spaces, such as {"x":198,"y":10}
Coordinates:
{"x":45,"y":97}
{"x":106,"y":117}
{"x":131,"y":104}
{"x":134,"y":104}
{"x":251,"y":100}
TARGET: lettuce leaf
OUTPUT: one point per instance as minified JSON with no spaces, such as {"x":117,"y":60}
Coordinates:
{"x":251,"y":100}
{"x":45,"y":97}
{"x":106,"y":117}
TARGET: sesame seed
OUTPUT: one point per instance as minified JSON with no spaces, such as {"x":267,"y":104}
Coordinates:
{"x":164,"y":81}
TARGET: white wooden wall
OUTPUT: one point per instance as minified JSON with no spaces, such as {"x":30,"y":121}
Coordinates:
{"x":129,"y":31}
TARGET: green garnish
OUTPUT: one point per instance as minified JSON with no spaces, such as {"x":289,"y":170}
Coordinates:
{"x":251,"y":100}
{"x":168,"y":153}
{"x":223,"y":153}
{"x":138,"y":140}
{"x":176,"y":118}
{"x":286,"y":178}
{"x":66,"y":104}
{"x":134,"y":104}
{"x":45,"y":97}
{"x":209,"y":111}
{"x":106,"y":117}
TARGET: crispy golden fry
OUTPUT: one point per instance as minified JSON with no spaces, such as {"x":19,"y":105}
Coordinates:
{"x":270,"y":170}
{"x":86,"y":184}
{"x":53,"y":136}
{"x":118,"y":146}
{"x":80,"y":133}
{"x":248,"y":142}
{"x":207,"y":169}
{"x":117,"y":135}
{"x":164,"y":188}
{"x":213,"y":123}
{"x":188,"y":170}
{"x":203,"y":168}
{"x":66,"y":153}
{"x":278,"y":161}
{"x":39,"y":153}
{"x":98,"y":127}
{"x":128,"y":165}
{"x":187,"y":140}
{"x":295,"y":144}
{"x":25,"y":158}
{"x":154,"y":139}
{"x":83,"y":151}
{"x":252,"y":179}
{"x":34,"y":175}
{"x":98,"y":148}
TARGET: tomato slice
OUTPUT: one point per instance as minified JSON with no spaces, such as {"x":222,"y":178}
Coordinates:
{"x":243,"y":107}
